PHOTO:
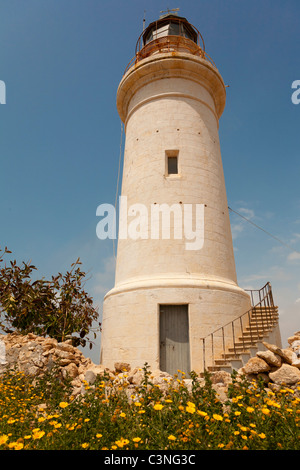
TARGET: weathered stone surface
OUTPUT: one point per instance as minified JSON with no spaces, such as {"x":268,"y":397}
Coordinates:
{"x":271,"y":358}
{"x":122,"y":366}
{"x":280,"y":352}
{"x":255,"y":365}
{"x":286,"y":374}
{"x":71,"y":370}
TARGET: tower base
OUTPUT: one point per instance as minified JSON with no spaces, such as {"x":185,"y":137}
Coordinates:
{"x":162,"y":321}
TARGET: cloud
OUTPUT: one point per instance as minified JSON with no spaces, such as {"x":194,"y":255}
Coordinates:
{"x":297,"y":301}
{"x":294,"y":256}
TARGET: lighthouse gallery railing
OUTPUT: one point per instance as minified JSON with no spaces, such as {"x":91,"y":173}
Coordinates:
{"x":259,"y":318}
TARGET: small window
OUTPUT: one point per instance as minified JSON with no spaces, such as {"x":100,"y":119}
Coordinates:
{"x":172,"y":162}
{"x":172,"y":166}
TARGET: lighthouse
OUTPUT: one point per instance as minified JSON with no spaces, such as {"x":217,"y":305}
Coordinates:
{"x":175,"y":279}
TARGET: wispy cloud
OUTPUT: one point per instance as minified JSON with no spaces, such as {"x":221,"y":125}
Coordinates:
{"x":294,"y":256}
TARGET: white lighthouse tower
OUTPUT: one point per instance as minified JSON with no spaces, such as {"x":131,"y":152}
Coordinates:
{"x":175,"y":283}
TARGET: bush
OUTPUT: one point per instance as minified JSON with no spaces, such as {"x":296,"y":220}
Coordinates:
{"x":59,"y":308}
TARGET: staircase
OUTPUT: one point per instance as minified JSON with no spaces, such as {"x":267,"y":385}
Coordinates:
{"x":231,"y":346}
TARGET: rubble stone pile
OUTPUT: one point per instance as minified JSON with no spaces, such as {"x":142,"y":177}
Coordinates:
{"x":35,"y":355}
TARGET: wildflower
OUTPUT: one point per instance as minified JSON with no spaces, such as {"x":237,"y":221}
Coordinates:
{"x":201,"y":413}
{"x":262,"y":435}
{"x":11,"y":421}
{"x":250,"y":409}
{"x":3,"y":439}
{"x":136,"y":439}
{"x":265,"y":411}
{"x":122,"y":442}
{"x":63,"y":404}
{"x":85,"y":445}
{"x":190,"y":408}
{"x":141,"y":412}
{"x":37,"y":434}
{"x":221,"y":445}
{"x":172,"y":438}
{"x":180,"y":407}
{"x":123,"y":415}
{"x":137,"y":403}
{"x":217,"y":417}
{"x":98,"y":435}
{"x":158,"y":406}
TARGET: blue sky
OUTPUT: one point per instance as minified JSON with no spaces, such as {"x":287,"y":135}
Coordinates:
{"x":62,"y":60}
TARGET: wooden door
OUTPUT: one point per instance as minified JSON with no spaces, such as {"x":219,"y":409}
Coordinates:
{"x":174,"y":339}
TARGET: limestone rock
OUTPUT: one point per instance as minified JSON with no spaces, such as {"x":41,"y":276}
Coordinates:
{"x":285,"y":375}
{"x":255,"y":365}
{"x":284,"y":354}
{"x":71,"y":370}
{"x":271,"y":358}
{"x":122,"y":366}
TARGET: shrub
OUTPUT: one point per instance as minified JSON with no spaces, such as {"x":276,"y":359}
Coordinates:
{"x":60,"y":308}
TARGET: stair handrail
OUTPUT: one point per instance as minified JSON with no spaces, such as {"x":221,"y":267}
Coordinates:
{"x":265,"y":296}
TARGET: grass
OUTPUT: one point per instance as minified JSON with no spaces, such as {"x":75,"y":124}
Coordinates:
{"x":42,"y":414}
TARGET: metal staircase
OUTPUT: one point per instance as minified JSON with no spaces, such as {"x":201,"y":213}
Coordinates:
{"x":231,"y":346}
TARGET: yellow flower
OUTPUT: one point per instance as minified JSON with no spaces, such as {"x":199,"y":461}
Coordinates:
{"x":37,"y":434}
{"x":158,"y":406}
{"x":86,"y":420}
{"x":217,"y":417}
{"x":237,"y":413}
{"x":98,"y":435}
{"x":250,"y":409}
{"x":85,"y":445}
{"x":172,"y":438}
{"x":201,"y":413}
{"x":136,"y":439}
{"x":123,"y":415}
{"x":122,"y":442}
{"x":265,"y":411}
{"x":236,"y":433}
{"x":180,"y":407}
{"x":169,"y":401}
{"x":63,"y":404}
{"x":141,"y":412}
{"x":262,"y":435}
{"x":190,"y":409}
{"x":11,"y":421}
{"x":137,"y":403}
{"x":3,"y":439}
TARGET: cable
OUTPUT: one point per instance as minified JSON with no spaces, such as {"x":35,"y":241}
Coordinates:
{"x":117,"y":188}
{"x":268,"y":233}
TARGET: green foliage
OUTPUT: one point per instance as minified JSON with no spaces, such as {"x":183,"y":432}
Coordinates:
{"x":59,"y":308}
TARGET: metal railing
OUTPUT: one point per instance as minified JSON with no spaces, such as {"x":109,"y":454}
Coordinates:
{"x":169,"y":44}
{"x":233,"y":338}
